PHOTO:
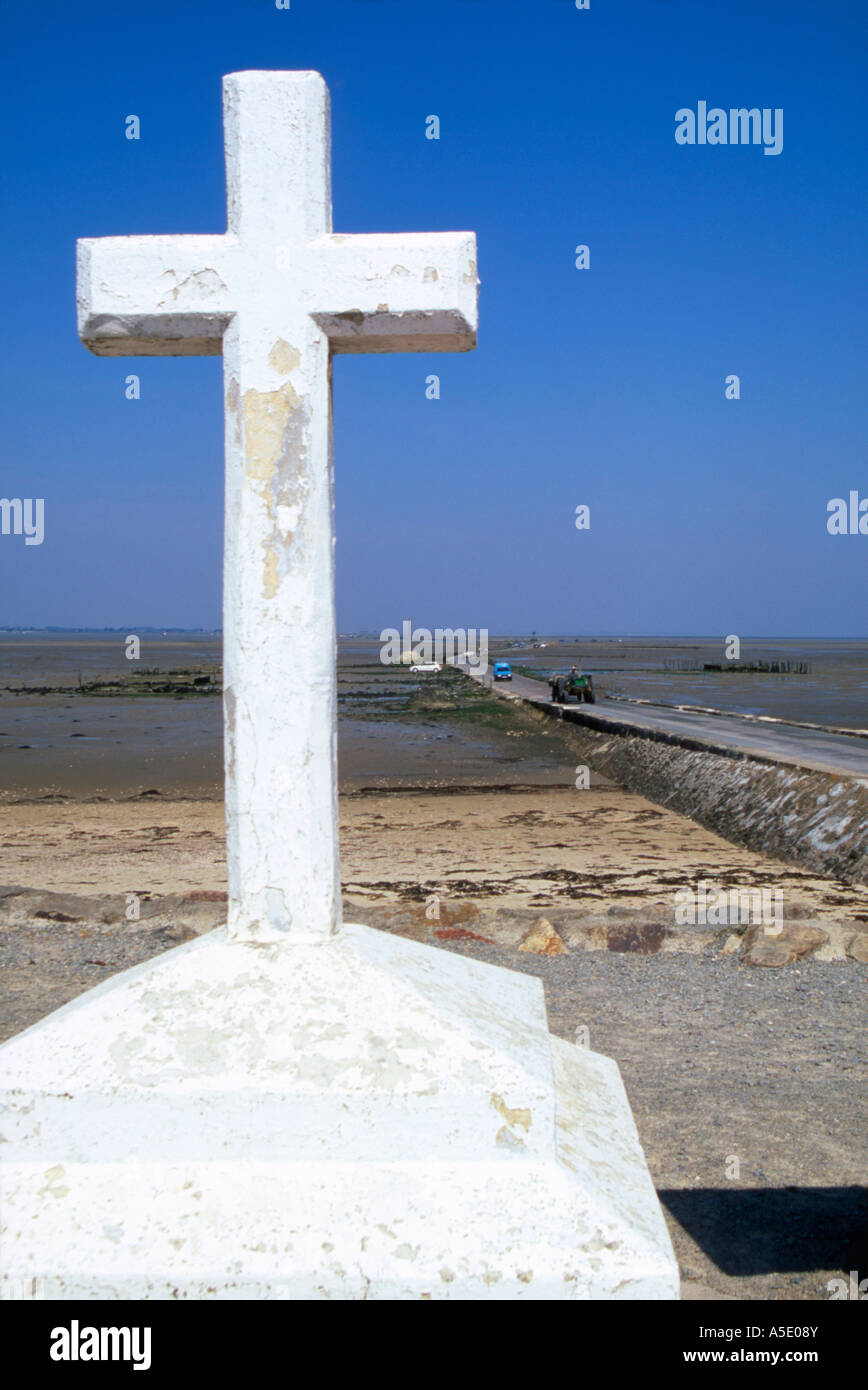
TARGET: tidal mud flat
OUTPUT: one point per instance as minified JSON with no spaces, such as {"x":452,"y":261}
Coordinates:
{"x":122,"y":734}
{"x":78,"y":719}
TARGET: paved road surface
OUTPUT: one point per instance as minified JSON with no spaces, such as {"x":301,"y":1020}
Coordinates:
{"x":786,"y":743}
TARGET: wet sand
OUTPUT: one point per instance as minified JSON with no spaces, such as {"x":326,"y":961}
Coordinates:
{"x":527,"y":847}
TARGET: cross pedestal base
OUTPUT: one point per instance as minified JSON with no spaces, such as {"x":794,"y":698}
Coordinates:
{"x":363,"y":1117}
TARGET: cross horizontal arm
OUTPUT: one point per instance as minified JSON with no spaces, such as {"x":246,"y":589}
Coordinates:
{"x":404,"y":293}
{"x":159,"y":296}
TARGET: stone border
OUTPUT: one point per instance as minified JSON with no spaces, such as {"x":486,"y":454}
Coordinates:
{"x":173,"y":918}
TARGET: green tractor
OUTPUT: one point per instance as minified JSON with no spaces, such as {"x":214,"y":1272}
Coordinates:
{"x":575,"y":683}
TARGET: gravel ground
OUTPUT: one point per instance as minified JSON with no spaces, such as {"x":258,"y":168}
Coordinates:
{"x":733,"y":1070}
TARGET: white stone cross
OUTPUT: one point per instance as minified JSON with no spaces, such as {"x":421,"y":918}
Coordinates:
{"x":352,"y":1118}
{"x":277,"y":294}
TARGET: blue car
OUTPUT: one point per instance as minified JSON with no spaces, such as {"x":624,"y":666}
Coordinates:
{"x":502,"y":671}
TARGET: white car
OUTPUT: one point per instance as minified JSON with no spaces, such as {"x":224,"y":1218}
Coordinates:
{"x":424,"y":667}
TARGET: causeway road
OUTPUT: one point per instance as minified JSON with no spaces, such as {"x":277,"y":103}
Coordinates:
{"x":840,"y":753}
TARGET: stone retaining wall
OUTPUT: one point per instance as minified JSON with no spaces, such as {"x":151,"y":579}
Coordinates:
{"x":801,"y":816}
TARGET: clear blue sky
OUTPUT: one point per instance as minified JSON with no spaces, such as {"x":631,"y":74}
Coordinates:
{"x":603,"y":387}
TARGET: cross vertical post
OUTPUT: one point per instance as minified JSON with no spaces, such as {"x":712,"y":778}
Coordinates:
{"x":280,"y":699}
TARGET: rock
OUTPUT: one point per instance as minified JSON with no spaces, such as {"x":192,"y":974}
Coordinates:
{"x":460,"y":934}
{"x":795,"y":939}
{"x":767,"y":950}
{"x":584,"y":935}
{"x":543,"y":940}
{"x":451,"y":914}
{"x":838,"y":946}
{"x":691,"y":939}
{"x":858,"y":948}
{"x":639,"y":938}
{"x":11,"y":890}
{"x":731,"y":944}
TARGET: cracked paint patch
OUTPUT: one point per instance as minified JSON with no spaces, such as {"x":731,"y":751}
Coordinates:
{"x":505,"y":1139}
{"x":407,"y":1251}
{"x":283,"y":358}
{"x":513,"y":1117}
{"x":229,"y":704}
{"x":52,"y":1179}
{"x":275,"y":433}
{"x":205,"y":281}
{"x":233,"y":401}
{"x":266,"y":415}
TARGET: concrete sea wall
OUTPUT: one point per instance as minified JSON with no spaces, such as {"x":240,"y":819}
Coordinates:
{"x":798,"y":815}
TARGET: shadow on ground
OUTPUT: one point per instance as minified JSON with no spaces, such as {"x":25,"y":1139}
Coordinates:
{"x":750,"y":1231}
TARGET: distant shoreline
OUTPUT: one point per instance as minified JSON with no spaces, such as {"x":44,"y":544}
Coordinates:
{"x":496,"y":637}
